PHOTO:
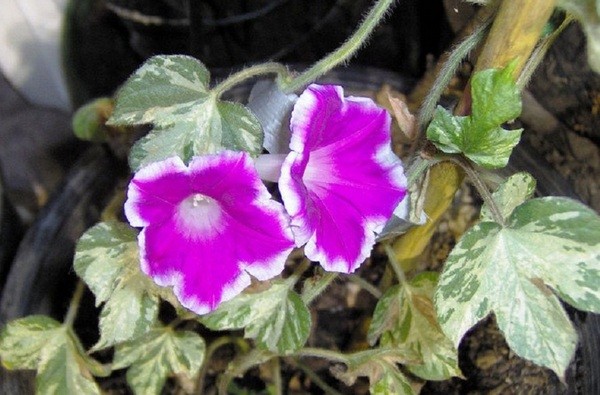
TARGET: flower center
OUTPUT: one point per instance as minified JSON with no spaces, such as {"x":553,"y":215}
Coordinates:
{"x":199,"y":216}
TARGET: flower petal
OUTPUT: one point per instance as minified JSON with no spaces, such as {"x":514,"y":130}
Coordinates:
{"x":342,"y":181}
{"x":155,"y":191}
{"x":226,"y":229}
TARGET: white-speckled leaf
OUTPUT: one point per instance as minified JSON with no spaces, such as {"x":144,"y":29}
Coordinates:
{"x":102,"y":255}
{"x":276,"y":318}
{"x":130,"y":312}
{"x":405,"y":316}
{"x":480,"y":137}
{"x":65,"y":368}
{"x":22,"y":340}
{"x":515,"y":190}
{"x":107,"y":259}
{"x":549,"y":245}
{"x":160,"y":353}
{"x":171,"y":93}
{"x":380,"y":367}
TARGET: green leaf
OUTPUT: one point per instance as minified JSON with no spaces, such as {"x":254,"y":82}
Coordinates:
{"x":405,"y":316}
{"x":88,"y":120}
{"x":42,"y":343}
{"x":172,"y":93}
{"x":380,"y":366}
{"x":277,"y":318}
{"x":107,"y":259}
{"x":480,"y":137}
{"x":515,"y":190}
{"x":22,"y":340}
{"x":160,"y":353}
{"x":550,"y":245}
{"x":495,"y":97}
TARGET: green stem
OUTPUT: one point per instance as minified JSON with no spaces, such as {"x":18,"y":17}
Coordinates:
{"x":310,"y":293}
{"x":210,"y":350}
{"x":539,"y":53}
{"x":319,"y":382}
{"x":367,"y":286}
{"x":483,"y":190}
{"x":247,"y":73}
{"x":74,"y":305}
{"x":276,"y":368}
{"x":298,"y":272}
{"x":395,"y":264}
{"x":455,"y":57}
{"x":345,"y":51}
{"x":322,"y":353}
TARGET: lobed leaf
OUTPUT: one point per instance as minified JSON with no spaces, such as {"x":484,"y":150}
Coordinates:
{"x":107,"y":259}
{"x":480,"y":137}
{"x":172,"y":93}
{"x":22,"y":340}
{"x":380,"y":366}
{"x":65,"y":368}
{"x":277,"y":318}
{"x":550,"y":246}
{"x":42,"y":343}
{"x":515,"y":190}
{"x":160,"y":353}
{"x":405,"y":316}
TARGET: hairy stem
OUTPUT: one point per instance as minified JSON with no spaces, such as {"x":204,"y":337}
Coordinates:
{"x":480,"y":186}
{"x":367,"y":286}
{"x":345,"y":51}
{"x":247,"y":73}
{"x":395,"y":264}
{"x":310,"y":293}
{"x":448,"y":70}
{"x":321,"y":353}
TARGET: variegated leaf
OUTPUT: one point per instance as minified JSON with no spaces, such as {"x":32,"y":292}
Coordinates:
{"x":276,"y":318}
{"x":42,"y":343}
{"x":405,"y":316}
{"x":380,"y":366}
{"x":515,"y":190}
{"x":160,"y":353}
{"x":172,"y":93}
{"x":107,"y":259}
{"x":550,"y":246}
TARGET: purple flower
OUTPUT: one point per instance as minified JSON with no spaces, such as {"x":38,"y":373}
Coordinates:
{"x":341,"y":182}
{"x":207,"y":227}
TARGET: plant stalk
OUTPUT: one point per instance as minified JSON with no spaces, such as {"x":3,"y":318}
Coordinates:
{"x":74,"y":304}
{"x":250,"y":72}
{"x":345,"y":51}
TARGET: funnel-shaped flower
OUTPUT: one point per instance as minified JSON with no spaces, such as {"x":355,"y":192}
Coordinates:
{"x":341,"y":182}
{"x":206,"y":227}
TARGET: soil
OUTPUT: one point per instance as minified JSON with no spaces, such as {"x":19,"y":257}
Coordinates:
{"x":561,"y":145}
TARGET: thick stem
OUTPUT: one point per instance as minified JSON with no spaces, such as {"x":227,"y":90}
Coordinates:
{"x":345,"y":51}
{"x":515,"y":33}
{"x":247,"y":73}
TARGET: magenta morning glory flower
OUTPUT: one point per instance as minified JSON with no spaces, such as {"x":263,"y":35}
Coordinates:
{"x":207,"y":227}
{"x":341,"y":182}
